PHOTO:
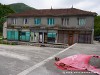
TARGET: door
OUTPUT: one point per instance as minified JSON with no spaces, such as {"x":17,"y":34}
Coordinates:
{"x":40,"y":37}
{"x":45,"y":37}
{"x":32,"y":36}
{"x":70,"y":39}
{"x":36,"y":37}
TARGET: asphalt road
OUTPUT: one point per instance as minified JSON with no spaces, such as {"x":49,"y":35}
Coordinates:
{"x":16,"y":59}
{"x":48,"y":67}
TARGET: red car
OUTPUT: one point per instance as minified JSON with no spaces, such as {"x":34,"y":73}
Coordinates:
{"x":79,"y":62}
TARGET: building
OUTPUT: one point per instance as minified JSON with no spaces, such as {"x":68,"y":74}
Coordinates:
{"x":66,"y":26}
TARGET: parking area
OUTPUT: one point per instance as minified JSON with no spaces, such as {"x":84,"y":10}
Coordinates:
{"x":48,"y":67}
{"x":15,"y":59}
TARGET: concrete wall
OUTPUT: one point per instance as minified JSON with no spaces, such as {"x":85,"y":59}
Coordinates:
{"x":5,"y":30}
{"x":73,"y":21}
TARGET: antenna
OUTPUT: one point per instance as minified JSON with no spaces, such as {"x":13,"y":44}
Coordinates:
{"x":51,"y":4}
{"x":72,"y":6}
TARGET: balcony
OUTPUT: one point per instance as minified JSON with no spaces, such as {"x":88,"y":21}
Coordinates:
{"x":17,"y":26}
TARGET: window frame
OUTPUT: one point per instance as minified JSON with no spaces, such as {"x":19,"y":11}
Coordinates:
{"x":50,"y":21}
{"x":65,"y":21}
{"x":37,"y":21}
{"x":14,"y":21}
{"x":81,"y":21}
{"x":25,"y":21}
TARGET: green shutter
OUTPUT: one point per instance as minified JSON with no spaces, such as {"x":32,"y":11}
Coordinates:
{"x":82,"y":21}
{"x":54,"y":35}
{"x":8,"y":35}
{"x":13,"y":35}
{"x":48,"y":21}
{"x":37,"y":21}
{"x":49,"y":34}
{"x":23,"y":38}
{"x":53,"y":21}
{"x":16,"y":35}
{"x":27,"y":36}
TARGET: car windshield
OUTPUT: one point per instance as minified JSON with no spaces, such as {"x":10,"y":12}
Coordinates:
{"x":94,"y":61}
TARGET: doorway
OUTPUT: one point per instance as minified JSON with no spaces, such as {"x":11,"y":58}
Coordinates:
{"x":40,"y":37}
{"x":70,"y":39}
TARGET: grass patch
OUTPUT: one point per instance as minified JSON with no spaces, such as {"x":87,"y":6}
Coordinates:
{"x":8,"y":42}
{"x":1,"y":36}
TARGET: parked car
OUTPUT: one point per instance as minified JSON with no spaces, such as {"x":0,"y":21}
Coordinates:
{"x":79,"y":62}
{"x":97,"y":38}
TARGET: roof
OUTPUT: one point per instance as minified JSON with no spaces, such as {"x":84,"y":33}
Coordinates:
{"x":53,"y":12}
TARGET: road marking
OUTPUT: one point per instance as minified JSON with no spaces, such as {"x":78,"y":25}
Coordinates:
{"x":14,"y":55}
{"x":27,"y":71}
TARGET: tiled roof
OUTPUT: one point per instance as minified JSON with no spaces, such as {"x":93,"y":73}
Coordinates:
{"x":53,"y":12}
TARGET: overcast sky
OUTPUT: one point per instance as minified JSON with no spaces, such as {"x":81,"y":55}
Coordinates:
{"x":90,"y":5}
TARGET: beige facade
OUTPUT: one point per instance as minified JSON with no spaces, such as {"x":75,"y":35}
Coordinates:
{"x":73,"y":21}
{"x":68,"y":28}
{"x":63,"y":36}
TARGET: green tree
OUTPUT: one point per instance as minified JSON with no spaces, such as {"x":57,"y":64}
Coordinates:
{"x":4,"y":11}
{"x":97,"y":26}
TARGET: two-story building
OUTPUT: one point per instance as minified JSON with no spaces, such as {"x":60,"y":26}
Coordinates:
{"x":52,"y":26}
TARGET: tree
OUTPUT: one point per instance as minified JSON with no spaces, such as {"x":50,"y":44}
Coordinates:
{"x":4,"y":11}
{"x":97,"y":26}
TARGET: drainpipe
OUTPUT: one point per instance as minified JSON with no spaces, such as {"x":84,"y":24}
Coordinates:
{"x":92,"y":36}
{"x":43,"y":38}
{"x":56,"y":41}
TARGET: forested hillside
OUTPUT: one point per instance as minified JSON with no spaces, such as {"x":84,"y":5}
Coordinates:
{"x":20,"y":7}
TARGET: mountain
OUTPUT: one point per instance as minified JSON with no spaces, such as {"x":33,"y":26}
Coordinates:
{"x":20,"y":7}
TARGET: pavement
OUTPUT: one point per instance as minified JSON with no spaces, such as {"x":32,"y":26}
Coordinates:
{"x":47,"y":67}
{"x":14,"y":59}
{"x":30,"y":60}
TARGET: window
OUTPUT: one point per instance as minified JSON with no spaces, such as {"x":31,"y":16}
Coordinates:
{"x":25,"y":21}
{"x":65,"y":21}
{"x":50,"y":21}
{"x":37,"y":21}
{"x":51,"y":37}
{"x":81,"y":21}
{"x":14,"y":20}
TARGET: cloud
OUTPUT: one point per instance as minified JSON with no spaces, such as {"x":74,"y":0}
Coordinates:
{"x":90,"y":5}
